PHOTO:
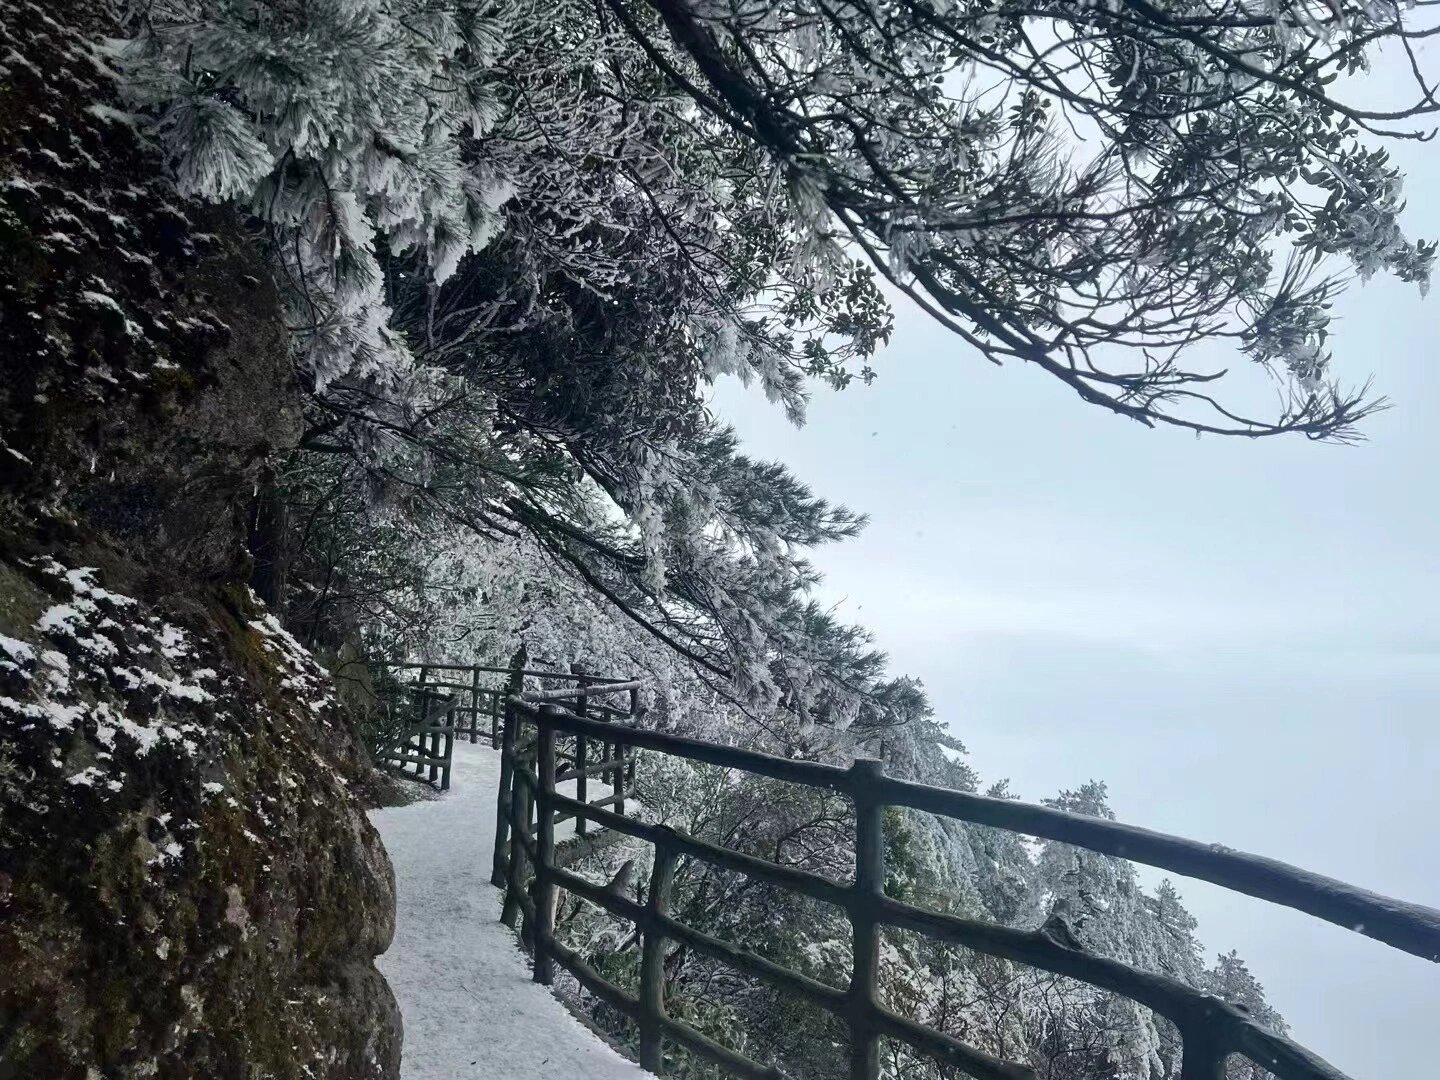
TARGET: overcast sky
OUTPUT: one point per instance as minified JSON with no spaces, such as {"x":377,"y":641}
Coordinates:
{"x":1240,"y":638}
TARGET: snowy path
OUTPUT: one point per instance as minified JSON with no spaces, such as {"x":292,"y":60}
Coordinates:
{"x":462,"y":981}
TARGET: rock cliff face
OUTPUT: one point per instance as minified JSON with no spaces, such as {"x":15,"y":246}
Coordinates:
{"x":188,"y":887}
{"x":188,"y":883}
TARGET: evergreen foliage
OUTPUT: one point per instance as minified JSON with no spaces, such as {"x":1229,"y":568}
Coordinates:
{"x":519,"y":241}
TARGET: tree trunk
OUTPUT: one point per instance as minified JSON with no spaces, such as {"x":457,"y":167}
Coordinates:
{"x":270,"y":542}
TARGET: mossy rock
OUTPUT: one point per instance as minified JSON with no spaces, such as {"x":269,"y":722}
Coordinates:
{"x":188,"y":884}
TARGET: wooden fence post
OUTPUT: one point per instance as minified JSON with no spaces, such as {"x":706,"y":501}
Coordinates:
{"x":519,"y":812}
{"x":1201,"y":1058}
{"x":652,"y":963}
{"x":545,"y":847}
{"x":434,"y":740}
{"x":450,"y":725}
{"x":618,"y":753}
{"x":619,"y":780}
{"x":495,"y":719}
{"x":514,"y":685}
{"x":423,"y":697}
{"x":634,"y":714}
{"x":582,"y":708}
{"x":603,"y":716}
{"x":498,"y":874}
{"x":524,"y":812}
{"x":863,"y":909}
{"x":475,"y":705}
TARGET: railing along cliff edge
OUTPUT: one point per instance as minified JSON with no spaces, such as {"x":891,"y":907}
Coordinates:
{"x":1211,"y":1029}
{"x":443,"y":696}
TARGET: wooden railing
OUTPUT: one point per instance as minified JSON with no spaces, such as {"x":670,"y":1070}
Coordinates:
{"x":481,"y":689}
{"x":1211,"y":1029}
{"x":587,"y":757}
{"x":479,"y":692}
{"x":436,"y":703}
{"x":428,"y":742}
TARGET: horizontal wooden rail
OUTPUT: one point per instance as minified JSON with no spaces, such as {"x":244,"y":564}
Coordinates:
{"x":617,"y":998}
{"x":947,"y":1049}
{"x":489,"y":669}
{"x":593,"y":981}
{"x":416,"y":760}
{"x":598,"y":769}
{"x":476,"y":699}
{"x":441,"y":684}
{"x":789,"y":877}
{"x":1211,"y":1030}
{"x":818,"y":993}
{"x":838,"y":1002}
{"x":608,"y":800}
{"x":734,"y":1064}
{"x":809,"y":773}
{"x":479,"y":694}
{"x":1407,"y":926}
{"x":566,"y":694}
{"x":446,"y":729}
{"x":430,"y":733}
{"x":1412,"y":928}
{"x":1188,"y":1008}
{"x":606,"y":991}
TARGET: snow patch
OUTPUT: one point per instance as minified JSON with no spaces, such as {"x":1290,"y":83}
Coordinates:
{"x":18,"y":651}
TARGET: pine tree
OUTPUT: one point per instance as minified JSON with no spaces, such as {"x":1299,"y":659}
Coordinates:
{"x":1230,"y":980}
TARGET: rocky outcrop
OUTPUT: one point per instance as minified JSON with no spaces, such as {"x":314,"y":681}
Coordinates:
{"x":188,"y":884}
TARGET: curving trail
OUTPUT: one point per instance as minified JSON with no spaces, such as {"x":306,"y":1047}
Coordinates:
{"x":463,"y":983}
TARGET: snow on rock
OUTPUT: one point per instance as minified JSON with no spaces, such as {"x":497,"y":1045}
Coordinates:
{"x":177,"y":760}
{"x":463,"y":983}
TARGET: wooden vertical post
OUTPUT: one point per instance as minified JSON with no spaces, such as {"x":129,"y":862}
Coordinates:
{"x":514,"y":685}
{"x":613,"y":755}
{"x":475,"y":706}
{"x":526,"y":815}
{"x":450,"y":724}
{"x":582,"y":708}
{"x":545,"y":848}
{"x":495,"y":719}
{"x":423,"y":696}
{"x":603,"y":715}
{"x":519,"y":816}
{"x":652,"y":963}
{"x":619,"y":774}
{"x":863,"y":910}
{"x":498,"y":875}
{"x":1201,"y":1058}
{"x":634,"y":713}
{"x":431,"y":721}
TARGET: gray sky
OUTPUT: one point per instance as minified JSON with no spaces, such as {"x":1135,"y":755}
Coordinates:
{"x":1238,"y":637}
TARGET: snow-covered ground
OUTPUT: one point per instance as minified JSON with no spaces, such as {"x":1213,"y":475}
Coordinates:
{"x":462,"y":981}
